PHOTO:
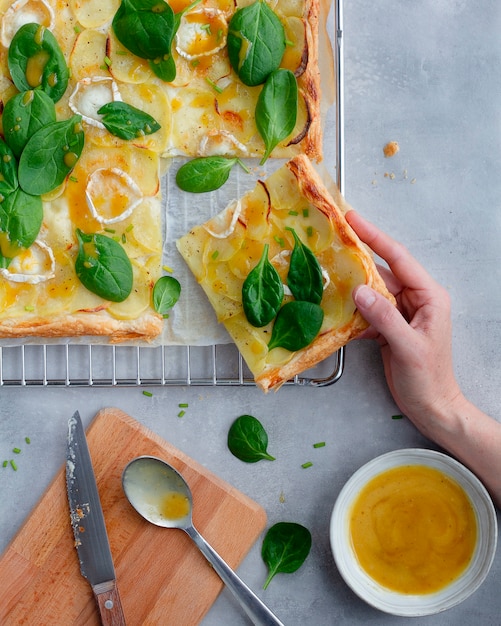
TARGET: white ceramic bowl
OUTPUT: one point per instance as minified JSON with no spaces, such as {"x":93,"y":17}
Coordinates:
{"x":405,"y":604}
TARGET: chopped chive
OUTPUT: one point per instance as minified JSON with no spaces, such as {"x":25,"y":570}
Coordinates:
{"x":206,"y":28}
{"x":195,"y":62}
{"x":129,"y":228}
{"x":147,"y":393}
{"x":29,"y":308}
{"x":74,"y":179}
{"x":309,"y":231}
{"x":293,"y":213}
{"x":213,"y":85}
{"x":166,"y":268}
{"x":112,"y":231}
{"x":5,"y":463}
{"x":124,"y":238}
{"x":165,"y":316}
{"x":116,"y":238}
{"x":13,"y":465}
{"x":16,"y":450}
{"x":122,"y":53}
{"x":183,"y":405}
{"x":279,"y":240}
{"x":306,"y":465}
{"x":214,"y":255}
{"x":181,"y":413}
{"x":107,"y":61}
{"x":306,"y":212}
{"x":397,"y":417}
{"x":243,"y":166}
{"x":27,"y":440}
{"x":320,"y":444}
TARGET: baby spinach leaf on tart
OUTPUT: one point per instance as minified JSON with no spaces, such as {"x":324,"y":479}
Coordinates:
{"x":36,"y":61}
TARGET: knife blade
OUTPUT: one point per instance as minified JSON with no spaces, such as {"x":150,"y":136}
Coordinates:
{"x":89,"y":529}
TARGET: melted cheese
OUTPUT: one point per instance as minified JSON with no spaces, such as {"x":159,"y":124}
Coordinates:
{"x":25,"y":12}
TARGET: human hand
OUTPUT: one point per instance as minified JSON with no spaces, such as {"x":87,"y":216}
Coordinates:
{"x":415,"y":336}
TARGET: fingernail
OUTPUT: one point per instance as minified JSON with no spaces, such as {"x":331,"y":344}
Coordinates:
{"x":364,"y":296}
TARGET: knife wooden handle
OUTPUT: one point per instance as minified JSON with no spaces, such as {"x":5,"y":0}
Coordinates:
{"x":108,"y":601}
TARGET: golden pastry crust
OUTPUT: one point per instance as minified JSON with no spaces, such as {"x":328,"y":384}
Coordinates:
{"x":147,"y":327}
{"x":293,"y":197}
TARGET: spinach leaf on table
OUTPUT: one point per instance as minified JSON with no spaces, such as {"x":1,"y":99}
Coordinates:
{"x":24,"y":114}
{"x":103,"y":267}
{"x":256,"y":42}
{"x":125,"y":121}
{"x":262,"y":292}
{"x":305,"y":274}
{"x":276,"y":109}
{"x":285,"y":548}
{"x":248,"y":440}
{"x":35,"y":60}
{"x":296,"y":325}
{"x":50,"y":155}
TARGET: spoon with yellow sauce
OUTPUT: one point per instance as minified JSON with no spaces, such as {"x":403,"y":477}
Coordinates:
{"x":161,"y":495}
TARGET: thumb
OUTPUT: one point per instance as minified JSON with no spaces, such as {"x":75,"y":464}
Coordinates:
{"x":383,"y":316}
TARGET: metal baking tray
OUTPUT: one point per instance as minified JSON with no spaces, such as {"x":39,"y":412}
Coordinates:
{"x":73,"y":365}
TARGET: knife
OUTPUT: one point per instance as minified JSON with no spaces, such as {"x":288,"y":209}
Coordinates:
{"x":87,"y":520}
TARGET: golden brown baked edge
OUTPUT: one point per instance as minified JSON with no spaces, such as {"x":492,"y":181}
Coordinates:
{"x":146,"y":327}
{"x":313,"y":188}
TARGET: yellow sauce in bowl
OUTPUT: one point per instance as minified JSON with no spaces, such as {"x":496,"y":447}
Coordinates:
{"x":413,"y":529}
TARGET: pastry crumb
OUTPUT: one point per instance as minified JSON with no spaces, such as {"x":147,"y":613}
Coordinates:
{"x":391,"y":149}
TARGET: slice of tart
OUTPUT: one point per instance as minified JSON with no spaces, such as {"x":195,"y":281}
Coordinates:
{"x":291,"y":214}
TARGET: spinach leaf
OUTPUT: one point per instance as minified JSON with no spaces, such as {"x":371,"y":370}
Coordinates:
{"x":35,"y":60}
{"x":166,"y":293}
{"x":248,"y":440}
{"x":8,"y":170}
{"x":50,"y":155}
{"x":127,"y":122}
{"x":305,"y":274}
{"x":256,"y":42}
{"x":206,"y":173}
{"x":145,"y":27}
{"x":103,"y":267}
{"x":262,"y":292}
{"x":164,"y":67}
{"x":296,"y":325}
{"x":24,"y":114}
{"x":21,"y":216}
{"x":285,"y":548}
{"x":276,"y":109}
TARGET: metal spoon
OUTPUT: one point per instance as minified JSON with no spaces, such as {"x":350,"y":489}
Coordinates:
{"x":160,"y":494}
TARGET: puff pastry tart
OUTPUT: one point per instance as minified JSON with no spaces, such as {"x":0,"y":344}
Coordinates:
{"x":288,"y":317}
{"x":93,"y":95}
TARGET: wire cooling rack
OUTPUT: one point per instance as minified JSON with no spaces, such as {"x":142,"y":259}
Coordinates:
{"x":117,"y":366}
{"x":72,"y":365}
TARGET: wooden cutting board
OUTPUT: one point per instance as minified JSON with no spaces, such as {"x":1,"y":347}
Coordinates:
{"x":162,"y":577}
